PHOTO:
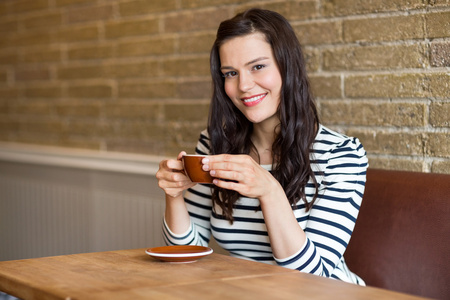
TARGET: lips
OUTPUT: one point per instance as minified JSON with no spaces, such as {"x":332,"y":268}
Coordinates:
{"x":254,"y":100}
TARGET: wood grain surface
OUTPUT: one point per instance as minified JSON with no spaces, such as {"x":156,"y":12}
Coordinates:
{"x":131,"y":274}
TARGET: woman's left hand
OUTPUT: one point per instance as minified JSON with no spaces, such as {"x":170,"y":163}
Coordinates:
{"x":240,"y":173}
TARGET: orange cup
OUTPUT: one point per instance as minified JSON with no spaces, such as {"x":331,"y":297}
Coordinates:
{"x":193,"y":168}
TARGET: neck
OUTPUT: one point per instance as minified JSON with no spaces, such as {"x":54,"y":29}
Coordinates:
{"x":263,"y":138}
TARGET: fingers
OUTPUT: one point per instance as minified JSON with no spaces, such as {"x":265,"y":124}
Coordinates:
{"x":229,"y":175}
{"x":171,"y":164}
{"x":239,"y":173}
{"x":229,"y":185}
{"x":171,"y":177}
{"x":173,"y":183}
{"x":233,"y":168}
{"x":227,"y":162}
{"x":180,"y":155}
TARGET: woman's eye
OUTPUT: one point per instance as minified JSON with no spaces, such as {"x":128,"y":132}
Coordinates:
{"x":229,"y":74}
{"x":258,"y":67}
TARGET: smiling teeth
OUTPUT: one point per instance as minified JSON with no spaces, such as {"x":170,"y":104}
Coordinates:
{"x":253,"y":99}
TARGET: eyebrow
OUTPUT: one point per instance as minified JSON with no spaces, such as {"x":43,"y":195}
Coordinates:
{"x":249,"y":63}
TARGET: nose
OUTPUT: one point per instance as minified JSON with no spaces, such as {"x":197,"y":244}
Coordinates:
{"x":246,"y":82}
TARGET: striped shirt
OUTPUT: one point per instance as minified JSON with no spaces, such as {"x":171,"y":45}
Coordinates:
{"x":339,"y":163}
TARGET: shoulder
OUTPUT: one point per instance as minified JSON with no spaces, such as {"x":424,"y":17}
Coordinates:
{"x":330,"y":145}
{"x":328,"y":140}
{"x":203,"y":144}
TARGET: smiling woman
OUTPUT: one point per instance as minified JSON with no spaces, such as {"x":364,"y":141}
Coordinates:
{"x":286,"y":189}
{"x":252,"y":79}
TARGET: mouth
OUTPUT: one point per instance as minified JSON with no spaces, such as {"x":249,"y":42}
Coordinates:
{"x":254,"y":100}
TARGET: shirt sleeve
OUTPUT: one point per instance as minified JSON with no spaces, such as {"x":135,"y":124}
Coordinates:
{"x":199,"y":205}
{"x":332,"y":218}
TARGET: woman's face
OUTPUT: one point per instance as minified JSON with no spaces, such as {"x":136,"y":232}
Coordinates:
{"x":252,"y":79}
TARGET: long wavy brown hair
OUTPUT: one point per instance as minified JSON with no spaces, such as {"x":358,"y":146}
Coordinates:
{"x":230,"y":131}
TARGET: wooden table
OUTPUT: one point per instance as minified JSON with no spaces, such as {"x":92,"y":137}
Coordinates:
{"x":131,"y":274}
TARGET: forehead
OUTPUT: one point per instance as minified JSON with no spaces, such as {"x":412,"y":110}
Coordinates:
{"x":242,"y":49}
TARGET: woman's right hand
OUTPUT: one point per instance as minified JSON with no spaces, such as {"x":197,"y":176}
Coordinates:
{"x":171,"y":177}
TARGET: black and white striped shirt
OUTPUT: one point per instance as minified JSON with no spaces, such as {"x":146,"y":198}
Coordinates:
{"x":339,"y":163}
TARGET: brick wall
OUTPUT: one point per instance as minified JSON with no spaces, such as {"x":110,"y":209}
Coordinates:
{"x":133,"y":75}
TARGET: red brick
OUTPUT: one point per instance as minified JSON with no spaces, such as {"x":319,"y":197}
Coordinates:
{"x":4,"y":8}
{"x":41,"y":54}
{"x":440,"y":54}
{"x":133,"y":130}
{"x":387,"y":86}
{"x":152,"y":146}
{"x":3,"y":76}
{"x":32,"y":74}
{"x":326,"y":86}
{"x":9,"y":25}
{"x":82,"y":72}
{"x":198,"y":20}
{"x":77,"y":110}
{"x":117,"y":29}
{"x":35,"y":108}
{"x":441,"y":166}
{"x":375,"y":57}
{"x":370,"y":113}
{"x":352,"y":7}
{"x":133,"y":75}
{"x":186,"y":112}
{"x":438,"y":3}
{"x":43,"y":91}
{"x":312,"y":58}
{"x":438,"y":24}
{"x":91,"y":13}
{"x":77,"y":34}
{"x":438,"y":144}
{"x":60,"y":3}
{"x":314,"y":33}
{"x":440,"y":114}
{"x":187,"y":66}
{"x":28,"y":5}
{"x":384,"y":29}
{"x":141,"y":69}
{"x":47,"y":20}
{"x":140,"y":7}
{"x":198,"y":43}
{"x":291,"y":10}
{"x":134,"y":110}
{"x":147,"y":90}
{"x":439,"y":85}
{"x":9,"y":93}
{"x":396,"y":163}
{"x":154,"y":46}
{"x":97,"y":51}
{"x":89,"y":91}
{"x":28,"y":38}
{"x":194,"y":89}
{"x":395,"y":143}
{"x":9,"y":57}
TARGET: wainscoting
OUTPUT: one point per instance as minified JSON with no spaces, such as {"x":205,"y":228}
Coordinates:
{"x":55,"y":202}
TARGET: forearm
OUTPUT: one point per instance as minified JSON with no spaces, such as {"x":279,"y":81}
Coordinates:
{"x":176,"y":214}
{"x":286,"y":235}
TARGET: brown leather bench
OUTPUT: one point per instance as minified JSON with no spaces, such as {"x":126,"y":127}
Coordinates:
{"x":401,"y":240}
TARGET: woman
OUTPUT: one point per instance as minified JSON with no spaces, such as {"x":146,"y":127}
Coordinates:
{"x":287,"y":190}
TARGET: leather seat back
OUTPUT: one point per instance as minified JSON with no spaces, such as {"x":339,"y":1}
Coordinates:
{"x":401,"y":240}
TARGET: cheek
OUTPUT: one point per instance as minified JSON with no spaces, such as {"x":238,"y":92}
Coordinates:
{"x":229,"y":89}
{"x":273,"y":82}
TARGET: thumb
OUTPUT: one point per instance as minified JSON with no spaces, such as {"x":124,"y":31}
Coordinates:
{"x":181,"y":154}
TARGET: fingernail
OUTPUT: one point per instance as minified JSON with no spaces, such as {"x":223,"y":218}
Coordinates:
{"x":205,"y":160}
{"x":205,"y":167}
{"x":212,"y":172}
